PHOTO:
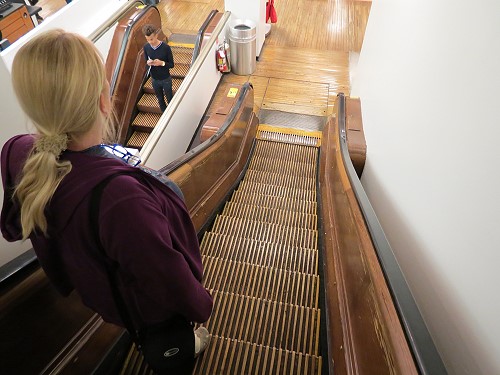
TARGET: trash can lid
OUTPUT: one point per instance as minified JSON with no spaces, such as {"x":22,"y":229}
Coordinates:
{"x":243,"y":29}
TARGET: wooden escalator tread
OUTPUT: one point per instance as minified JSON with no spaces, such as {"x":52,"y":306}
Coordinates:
{"x":264,"y":322}
{"x":176,"y":83}
{"x":226,"y":356}
{"x":260,"y":253}
{"x":146,"y":121}
{"x":273,"y":284}
{"x":238,"y":357}
{"x":137,"y":139}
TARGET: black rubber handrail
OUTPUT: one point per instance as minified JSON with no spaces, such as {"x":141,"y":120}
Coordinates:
{"x":199,"y":35}
{"x":123,"y":47}
{"x":169,"y":168}
{"x":422,"y":346}
{"x":17,"y":264}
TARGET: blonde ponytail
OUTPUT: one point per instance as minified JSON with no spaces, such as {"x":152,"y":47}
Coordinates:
{"x":42,"y":174}
{"x":58,"y":78}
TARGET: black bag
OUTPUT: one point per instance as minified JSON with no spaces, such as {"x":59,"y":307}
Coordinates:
{"x":168,"y":347}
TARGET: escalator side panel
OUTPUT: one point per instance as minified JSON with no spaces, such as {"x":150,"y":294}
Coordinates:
{"x":208,"y":178}
{"x":364,"y":331}
{"x":36,"y":322}
{"x":132,"y":69}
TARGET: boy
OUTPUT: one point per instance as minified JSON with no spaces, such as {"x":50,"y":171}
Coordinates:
{"x":159,"y":57}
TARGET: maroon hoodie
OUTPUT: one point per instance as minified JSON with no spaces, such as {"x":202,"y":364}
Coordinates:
{"x":144,"y":228}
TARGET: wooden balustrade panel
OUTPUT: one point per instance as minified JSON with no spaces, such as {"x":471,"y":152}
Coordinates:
{"x":356,"y":143}
{"x":365,"y":333}
{"x":206,"y":179}
{"x":133,"y":67}
{"x":36,"y":322}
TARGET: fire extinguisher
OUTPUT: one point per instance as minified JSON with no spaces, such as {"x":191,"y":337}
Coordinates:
{"x":223,"y":57}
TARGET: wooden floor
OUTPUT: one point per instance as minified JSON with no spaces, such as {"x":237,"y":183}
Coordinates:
{"x":304,"y":62}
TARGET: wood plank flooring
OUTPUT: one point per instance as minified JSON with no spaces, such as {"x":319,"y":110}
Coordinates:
{"x":304,"y":62}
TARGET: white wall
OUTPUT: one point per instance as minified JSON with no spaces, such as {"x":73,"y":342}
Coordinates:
{"x":254,"y":10}
{"x":81,"y":16}
{"x":428,"y":77}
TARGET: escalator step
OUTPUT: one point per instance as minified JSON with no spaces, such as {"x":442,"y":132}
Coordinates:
{"x":182,"y":56}
{"x":146,"y":121}
{"x":179,"y":49}
{"x":271,"y":215}
{"x":267,"y":232}
{"x":176,"y":83}
{"x":179,"y":70}
{"x":149,"y":103}
{"x":264,"y":322}
{"x":263,"y":254}
{"x":293,"y":168}
{"x":228,"y":356}
{"x":283,"y":180}
{"x":265,"y":283}
{"x":271,"y":201}
{"x":278,"y":191}
{"x":284,"y":153}
{"x":137,"y":139}
{"x":284,"y":135}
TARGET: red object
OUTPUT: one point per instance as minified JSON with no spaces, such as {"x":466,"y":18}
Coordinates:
{"x":271,"y":12}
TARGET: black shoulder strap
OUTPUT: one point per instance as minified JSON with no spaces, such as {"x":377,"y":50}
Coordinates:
{"x":95,"y":201}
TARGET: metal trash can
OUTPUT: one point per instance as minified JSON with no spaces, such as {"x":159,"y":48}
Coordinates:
{"x":242,"y":41}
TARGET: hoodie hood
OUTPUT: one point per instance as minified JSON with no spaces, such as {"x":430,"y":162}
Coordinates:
{"x":88,"y":170}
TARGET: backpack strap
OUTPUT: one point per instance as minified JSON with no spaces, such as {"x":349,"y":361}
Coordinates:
{"x":95,"y":201}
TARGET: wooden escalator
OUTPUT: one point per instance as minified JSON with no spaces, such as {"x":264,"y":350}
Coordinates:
{"x":261,"y":266}
{"x":297,"y":285}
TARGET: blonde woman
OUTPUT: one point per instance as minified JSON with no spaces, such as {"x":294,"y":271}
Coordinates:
{"x":144,"y":229}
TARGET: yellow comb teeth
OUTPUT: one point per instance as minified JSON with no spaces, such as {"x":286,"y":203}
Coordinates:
{"x":289,"y":135}
{"x":184,"y":45}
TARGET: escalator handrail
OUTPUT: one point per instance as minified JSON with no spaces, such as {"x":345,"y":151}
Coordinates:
{"x":201,"y":32}
{"x":17,"y":264}
{"x":169,"y":168}
{"x":419,"y":339}
{"x":103,"y":29}
{"x":123,"y":47}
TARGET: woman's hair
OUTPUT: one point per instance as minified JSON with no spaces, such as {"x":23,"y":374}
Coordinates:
{"x":58,"y":78}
